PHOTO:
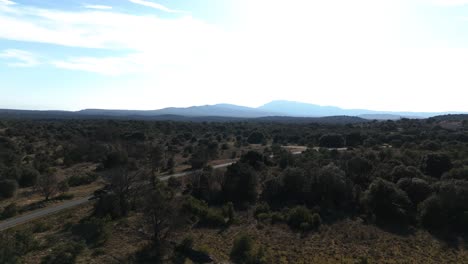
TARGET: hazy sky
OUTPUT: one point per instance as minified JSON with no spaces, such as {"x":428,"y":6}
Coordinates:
{"x":150,"y":54}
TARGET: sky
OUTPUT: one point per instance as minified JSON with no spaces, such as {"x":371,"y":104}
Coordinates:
{"x":392,"y":55}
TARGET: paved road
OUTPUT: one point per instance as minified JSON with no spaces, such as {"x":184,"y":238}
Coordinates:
{"x":7,"y":224}
{"x":41,"y":213}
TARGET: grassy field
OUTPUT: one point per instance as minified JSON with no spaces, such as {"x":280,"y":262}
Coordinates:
{"x":346,"y":241}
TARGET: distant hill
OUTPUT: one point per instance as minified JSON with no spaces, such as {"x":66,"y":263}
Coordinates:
{"x":137,"y":115}
{"x":290,"y":108}
{"x":276,"y":111}
{"x":206,"y":110}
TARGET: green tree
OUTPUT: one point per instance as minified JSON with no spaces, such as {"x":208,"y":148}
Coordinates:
{"x":240,"y":184}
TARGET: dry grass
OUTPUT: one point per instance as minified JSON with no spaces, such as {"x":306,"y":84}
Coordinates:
{"x":124,"y":241}
{"x":347,"y":241}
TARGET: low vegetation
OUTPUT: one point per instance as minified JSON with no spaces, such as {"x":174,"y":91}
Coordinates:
{"x":357,"y":188}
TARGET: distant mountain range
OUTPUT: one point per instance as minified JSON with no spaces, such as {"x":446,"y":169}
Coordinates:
{"x":273,"y":111}
{"x":275,"y":108}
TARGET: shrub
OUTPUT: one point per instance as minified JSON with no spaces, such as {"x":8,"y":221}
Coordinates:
{"x":229,"y":212}
{"x":63,"y":187}
{"x":9,"y":211}
{"x":64,"y":196}
{"x":93,"y":230}
{"x":8,"y":188}
{"x":64,"y":253}
{"x":15,"y":245}
{"x":207,"y":216}
{"x":302,"y":219}
{"x":277,"y":217}
{"x":242,"y":249}
{"x":109,"y":205}
{"x":245,"y":251}
{"x":174,"y":182}
{"x":29,"y":177}
{"x":41,"y":227}
{"x":262,"y":208}
{"x":77,"y":180}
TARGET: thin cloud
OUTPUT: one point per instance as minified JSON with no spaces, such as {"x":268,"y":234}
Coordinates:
{"x":7,"y":2}
{"x":156,"y":6}
{"x":23,"y":58}
{"x":99,"y":7}
{"x":450,"y":2}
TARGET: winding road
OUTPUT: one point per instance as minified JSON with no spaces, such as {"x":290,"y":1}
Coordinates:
{"x":15,"y":221}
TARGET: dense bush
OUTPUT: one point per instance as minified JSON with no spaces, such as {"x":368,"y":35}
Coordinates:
{"x":432,"y":213}
{"x":9,"y":211}
{"x":303,"y":219}
{"x":245,"y":251}
{"x":436,"y":164}
{"x":387,"y":202}
{"x":457,"y":174}
{"x":447,"y":208}
{"x":207,"y":216}
{"x":110,"y":205}
{"x":93,"y":230}
{"x":15,"y":245}
{"x":417,"y":189}
{"x":330,"y":187}
{"x":256,"y":138}
{"x":78,"y":180}
{"x":8,"y":188}
{"x":332,"y":141}
{"x":402,"y":171}
{"x":29,"y":177}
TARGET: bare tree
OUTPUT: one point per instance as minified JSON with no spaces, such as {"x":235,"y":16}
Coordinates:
{"x":47,"y":184}
{"x":156,"y":161}
{"x":123,"y":184}
{"x":163,"y":215}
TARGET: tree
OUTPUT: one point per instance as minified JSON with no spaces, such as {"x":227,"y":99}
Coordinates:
{"x":436,"y":164}
{"x":432,"y":213}
{"x":48,"y":184}
{"x":256,"y":138}
{"x":330,"y":187}
{"x":240,"y":184}
{"x":124,"y":186}
{"x":199,"y":159}
{"x":156,"y":158}
{"x":294,"y":184}
{"x":331,"y":141}
{"x":162,"y":214}
{"x":388,"y":202}
{"x":359,"y":169}
{"x":116,"y":158}
{"x":402,"y":171}
{"x":417,"y":189}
